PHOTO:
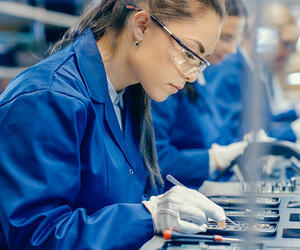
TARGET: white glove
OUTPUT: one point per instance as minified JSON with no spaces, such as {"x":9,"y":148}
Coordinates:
{"x":270,"y":164}
{"x":258,"y":136}
{"x":221,"y":156}
{"x":184,"y":210}
{"x":295,"y":125}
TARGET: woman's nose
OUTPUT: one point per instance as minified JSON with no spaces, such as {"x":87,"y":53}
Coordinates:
{"x":191,"y":78}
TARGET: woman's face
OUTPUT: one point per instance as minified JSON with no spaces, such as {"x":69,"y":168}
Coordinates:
{"x":153,"y":62}
{"x":231,"y":36}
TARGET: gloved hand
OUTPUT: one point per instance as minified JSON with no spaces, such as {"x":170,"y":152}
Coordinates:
{"x":184,"y":210}
{"x":270,"y":164}
{"x":258,"y":136}
{"x":221,"y":156}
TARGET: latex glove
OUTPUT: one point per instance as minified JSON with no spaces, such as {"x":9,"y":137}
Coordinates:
{"x":270,"y":164}
{"x":221,"y":156}
{"x":184,"y":210}
{"x":295,"y":125}
{"x":258,"y":136}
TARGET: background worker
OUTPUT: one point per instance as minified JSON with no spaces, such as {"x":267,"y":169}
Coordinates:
{"x":231,"y":83}
{"x":189,"y":129}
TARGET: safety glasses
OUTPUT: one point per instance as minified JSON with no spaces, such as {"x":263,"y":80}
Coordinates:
{"x":188,"y":63}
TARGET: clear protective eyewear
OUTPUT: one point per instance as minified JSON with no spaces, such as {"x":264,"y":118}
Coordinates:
{"x":188,"y":63}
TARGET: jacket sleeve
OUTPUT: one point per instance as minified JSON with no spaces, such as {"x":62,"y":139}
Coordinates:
{"x":282,"y":131}
{"x":287,"y":116}
{"x":224,"y":84}
{"x":189,"y":166}
{"x":40,"y":135}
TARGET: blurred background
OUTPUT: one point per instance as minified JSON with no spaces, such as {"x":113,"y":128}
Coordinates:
{"x":28,"y":28}
{"x":289,"y":74}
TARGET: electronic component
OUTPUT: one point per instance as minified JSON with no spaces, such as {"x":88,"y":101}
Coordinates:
{"x":201,"y":245}
{"x":244,"y":201}
{"x":240,"y":214}
{"x":293,"y":204}
{"x":294,"y":217}
{"x":276,"y":187}
{"x":291,"y":233}
{"x":262,"y":229}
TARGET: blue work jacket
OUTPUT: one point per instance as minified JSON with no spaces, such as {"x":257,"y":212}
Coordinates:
{"x":184,"y":132}
{"x":230,"y":83}
{"x":69,"y":177}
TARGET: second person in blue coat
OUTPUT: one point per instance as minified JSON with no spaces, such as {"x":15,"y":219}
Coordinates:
{"x":190,"y":131}
{"x":232,"y":81}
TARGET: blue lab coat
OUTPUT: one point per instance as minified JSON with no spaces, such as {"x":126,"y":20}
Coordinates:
{"x":229,"y":82}
{"x":184,"y":133}
{"x":70,"y":179}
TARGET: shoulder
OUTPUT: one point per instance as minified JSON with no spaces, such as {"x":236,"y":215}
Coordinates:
{"x":57,"y":74}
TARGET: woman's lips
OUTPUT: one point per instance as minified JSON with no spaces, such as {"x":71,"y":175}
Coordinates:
{"x":174,"y":88}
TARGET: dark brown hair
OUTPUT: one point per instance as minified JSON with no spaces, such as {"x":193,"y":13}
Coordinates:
{"x":109,"y":18}
{"x":236,"y":8}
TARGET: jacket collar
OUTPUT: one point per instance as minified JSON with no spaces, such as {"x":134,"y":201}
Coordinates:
{"x":91,"y":66}
{"x":92,"y":70}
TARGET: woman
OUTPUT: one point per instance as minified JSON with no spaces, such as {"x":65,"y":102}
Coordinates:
{"x":76,"y":138}
{"x":189,"y":128}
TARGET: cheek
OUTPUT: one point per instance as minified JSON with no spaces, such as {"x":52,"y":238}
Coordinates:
{"x":221,"y":47}
{"x":155,"y":65}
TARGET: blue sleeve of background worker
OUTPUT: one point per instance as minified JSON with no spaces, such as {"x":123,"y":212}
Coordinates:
{"x":225,"y":83}
{"x":189,"y":166}
{"x":40,"y":181}
{"x":282,"y":131}
{"x":288,"y":116}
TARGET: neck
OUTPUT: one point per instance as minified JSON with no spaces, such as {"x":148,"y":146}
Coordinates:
{"x":116,"y":64}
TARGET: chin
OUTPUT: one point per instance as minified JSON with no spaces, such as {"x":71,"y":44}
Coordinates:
{"x":159,"y":98}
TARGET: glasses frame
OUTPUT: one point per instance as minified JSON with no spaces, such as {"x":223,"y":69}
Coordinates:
{"x":177,"y":40}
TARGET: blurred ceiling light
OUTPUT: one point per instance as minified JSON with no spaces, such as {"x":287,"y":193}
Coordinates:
{"x":293,"y":78}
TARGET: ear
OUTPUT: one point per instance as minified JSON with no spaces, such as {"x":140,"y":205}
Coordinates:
{"x":141,"y":22}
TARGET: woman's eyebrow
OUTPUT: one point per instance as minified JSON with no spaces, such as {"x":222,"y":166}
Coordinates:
{"x":200,"y":45}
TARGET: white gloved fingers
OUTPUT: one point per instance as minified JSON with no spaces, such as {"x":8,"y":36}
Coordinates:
{"x":183,"y":209}
{"x":208,"y":207}
{"x":189,"y":227}
{"x":259,"y":136}
{"x":224,"y":155}
{"x":166,"y":219}
{"x":212,"y":211}
{"x":237,"y":148}
{"x":192,"y":214}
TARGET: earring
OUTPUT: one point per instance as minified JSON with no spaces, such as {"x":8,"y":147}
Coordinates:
{"x":137,"y":43}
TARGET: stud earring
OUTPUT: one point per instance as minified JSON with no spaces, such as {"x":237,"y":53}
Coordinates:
{"x":137,"y":43}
